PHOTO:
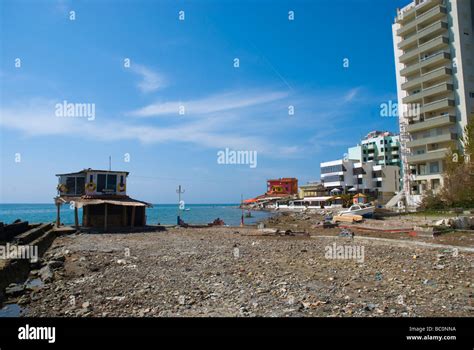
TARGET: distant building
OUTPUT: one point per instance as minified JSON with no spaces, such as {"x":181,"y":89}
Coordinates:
{"x":102,"y":195}
{"x":286,"y":185}
{"x":311,"y":189}
{"x":381,"y":147}
{"x":351,"y":176}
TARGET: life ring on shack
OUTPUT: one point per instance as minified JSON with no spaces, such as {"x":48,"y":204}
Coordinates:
{"x":62,"y":188}
{"x":90,"y":187}
{"x":122,"y":187}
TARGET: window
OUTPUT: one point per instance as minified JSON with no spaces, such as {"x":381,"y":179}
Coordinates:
{"x":106,"y":183}
{"x":101,"y":178}
{"x":112,"y":182}
{"x":434,"y":167}
{"x":71,"y":185}
{"x":75,"y":185}
{"x":332,"y":169}
{"x":471,"y":94}
{"x":333,"y":178}
{"x":80,"y":185}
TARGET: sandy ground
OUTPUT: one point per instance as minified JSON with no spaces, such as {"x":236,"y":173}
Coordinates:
{"x":244,"y":272}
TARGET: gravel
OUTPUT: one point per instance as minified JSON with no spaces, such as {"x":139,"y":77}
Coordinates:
{"x":243,"y":272}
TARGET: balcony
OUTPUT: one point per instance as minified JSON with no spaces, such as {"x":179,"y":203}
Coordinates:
{"x":431,"y":91}
{"x":406,"y":28}
{"x":437,"y":74}
{"x":431,"y":123}
{"x":434,"y":14}
{"x":428,"y":156}
{"x":435,"y":28}
{"x":427,"y":4}
{"x":437,"y":43}
{"x":409,"y":40}
{"x":433,"y":60}
{"x":432,"y":139}
{"x":437,"y":105}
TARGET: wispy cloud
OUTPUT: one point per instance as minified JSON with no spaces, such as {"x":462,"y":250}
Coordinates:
{"x":351,"y":94}
{"x":242,"y":120}
{"x":150,"y":79}
{"x":211,"y":104}
{"x":37,"y":118}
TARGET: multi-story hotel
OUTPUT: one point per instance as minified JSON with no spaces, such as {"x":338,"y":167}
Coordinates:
{"x":381,"y":181}
{"x":382,"y":147}
{"x":434,"y":58}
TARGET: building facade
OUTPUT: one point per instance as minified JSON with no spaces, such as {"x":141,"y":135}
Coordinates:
{"x":379,"y":180}
{"x":434,"y":59}
{"x":286,"y":185}
{"x":381,"y":147}
{"x":311,"y":189}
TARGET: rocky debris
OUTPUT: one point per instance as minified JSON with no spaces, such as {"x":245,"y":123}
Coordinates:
{"x":46,"y":274}
{"x":198,"y":272}
{"x":460,"y":222}
{"x":14,"y":290}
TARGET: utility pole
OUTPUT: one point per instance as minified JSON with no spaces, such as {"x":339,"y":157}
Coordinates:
{"x":179,"y":191}
{"x":110,"y":163}
{"x":242,"y":207}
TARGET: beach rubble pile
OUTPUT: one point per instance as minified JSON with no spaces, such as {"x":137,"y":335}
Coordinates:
{"x":460,"y":222}
{"x":218,"y":271}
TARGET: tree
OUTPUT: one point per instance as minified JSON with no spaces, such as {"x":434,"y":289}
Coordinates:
{"x":458,"y":176}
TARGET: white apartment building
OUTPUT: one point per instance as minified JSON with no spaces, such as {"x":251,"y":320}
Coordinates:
{"x":382,"y":147}
{"x":434,"y":59}
{"x":381,"y":181}
{"x":337,"y":174}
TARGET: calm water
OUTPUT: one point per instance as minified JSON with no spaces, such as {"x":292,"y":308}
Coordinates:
{"x":160,"y":213}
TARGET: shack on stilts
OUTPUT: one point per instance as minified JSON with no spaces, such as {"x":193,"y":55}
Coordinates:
{"x":102,"y":196}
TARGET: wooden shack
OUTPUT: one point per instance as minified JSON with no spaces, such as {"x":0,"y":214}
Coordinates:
{"x":102,"y":196}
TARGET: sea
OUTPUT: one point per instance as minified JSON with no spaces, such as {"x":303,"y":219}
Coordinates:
{"x":164,"y":214}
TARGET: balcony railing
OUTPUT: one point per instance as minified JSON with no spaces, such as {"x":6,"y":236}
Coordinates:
{"x":428,"y":156}
{"x":432,"y":139}
{"x":431,"y":123}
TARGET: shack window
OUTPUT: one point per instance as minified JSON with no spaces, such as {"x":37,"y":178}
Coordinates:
{"x":80,"y":185}
{"x":112,"y":182}
{"x":71,"y":185}
{"x":101,"y":178}
{"x":106,"y":183}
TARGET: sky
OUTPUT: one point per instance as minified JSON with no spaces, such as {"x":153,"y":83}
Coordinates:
{"x":167,"y":93}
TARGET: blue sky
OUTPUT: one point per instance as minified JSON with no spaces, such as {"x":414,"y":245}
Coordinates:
{"x":189,"y":63}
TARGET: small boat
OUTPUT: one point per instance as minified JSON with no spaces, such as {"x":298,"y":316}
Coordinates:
{"x":248,"y":214}
{"x":359,"y":209}
{"x":187,"y":209}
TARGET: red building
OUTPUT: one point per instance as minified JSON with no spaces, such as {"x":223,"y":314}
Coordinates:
{"x":286,"y":185}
